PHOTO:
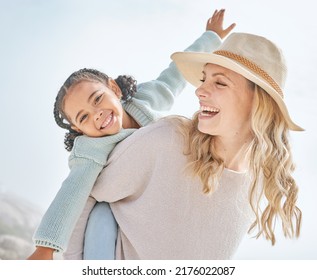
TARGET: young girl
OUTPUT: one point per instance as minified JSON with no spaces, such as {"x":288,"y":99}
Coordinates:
{"x":236,"y":147}
{"x":90,"y":105}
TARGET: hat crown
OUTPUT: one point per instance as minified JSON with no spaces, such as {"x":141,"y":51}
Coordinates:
{"x":259,"y":51}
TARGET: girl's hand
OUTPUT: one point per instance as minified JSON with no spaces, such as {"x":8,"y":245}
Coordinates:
{"x":42,"y":253}
{"x":215,"y":24}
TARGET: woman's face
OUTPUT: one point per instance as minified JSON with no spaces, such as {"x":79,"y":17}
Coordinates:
{"x":225,"y":99}
{"x":94,"y":109}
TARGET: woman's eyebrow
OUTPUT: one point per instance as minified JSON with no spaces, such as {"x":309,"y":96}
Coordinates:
{"x":218,"y":74}
{"x":222,"y":75}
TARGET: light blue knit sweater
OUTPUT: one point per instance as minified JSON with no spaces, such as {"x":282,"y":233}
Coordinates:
{"x":89,"y":155}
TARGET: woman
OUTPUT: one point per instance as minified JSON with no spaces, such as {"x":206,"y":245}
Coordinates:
{"x":194,"y":194}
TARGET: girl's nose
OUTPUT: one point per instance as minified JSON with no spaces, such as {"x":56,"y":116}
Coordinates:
{"x":98,"y":115}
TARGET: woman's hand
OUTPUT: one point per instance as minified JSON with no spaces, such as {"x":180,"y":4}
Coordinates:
{"x":215,"y":24}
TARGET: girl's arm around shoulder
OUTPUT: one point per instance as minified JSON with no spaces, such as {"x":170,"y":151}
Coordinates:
{"x":97,"y":149}
{"x":132,"y":162}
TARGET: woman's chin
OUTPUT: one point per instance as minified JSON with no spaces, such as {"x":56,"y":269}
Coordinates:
{"x":204,"y":128}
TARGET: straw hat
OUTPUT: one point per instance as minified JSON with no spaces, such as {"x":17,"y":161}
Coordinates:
{"x":254,"y":57}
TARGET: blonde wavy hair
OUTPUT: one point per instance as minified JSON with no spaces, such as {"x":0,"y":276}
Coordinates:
{"x":271,"y":166}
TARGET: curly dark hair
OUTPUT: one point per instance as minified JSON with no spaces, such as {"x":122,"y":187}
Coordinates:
{"x":127,"y":85}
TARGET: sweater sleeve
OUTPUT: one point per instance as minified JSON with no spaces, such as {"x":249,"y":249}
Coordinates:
{"x":87,"y":159}
{"x":60,"y":218}
{"x":159,"y":94}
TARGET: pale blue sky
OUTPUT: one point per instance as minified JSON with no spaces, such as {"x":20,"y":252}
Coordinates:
{"x":43,"y":42}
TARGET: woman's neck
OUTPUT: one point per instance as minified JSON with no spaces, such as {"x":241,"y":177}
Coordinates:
{"x":234,"y":152}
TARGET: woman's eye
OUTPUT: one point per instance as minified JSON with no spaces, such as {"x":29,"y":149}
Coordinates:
{"x":221,"y":84}
{"x":82,"y":118}
{"x":202,"y":80}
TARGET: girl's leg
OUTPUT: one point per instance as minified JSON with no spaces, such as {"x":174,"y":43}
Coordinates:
{"x":101,"y":234}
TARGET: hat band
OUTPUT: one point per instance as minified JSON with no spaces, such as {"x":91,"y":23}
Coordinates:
{"x":252,"y":66}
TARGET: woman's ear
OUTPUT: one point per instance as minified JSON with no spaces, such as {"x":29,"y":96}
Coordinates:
{"x":115,"y":88}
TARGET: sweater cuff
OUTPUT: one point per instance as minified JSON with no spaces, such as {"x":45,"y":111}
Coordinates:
{"x":43,"y":243}
{"x":207,"y":42}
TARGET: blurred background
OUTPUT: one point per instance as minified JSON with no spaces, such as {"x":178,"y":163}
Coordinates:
{"x":43,"y":42}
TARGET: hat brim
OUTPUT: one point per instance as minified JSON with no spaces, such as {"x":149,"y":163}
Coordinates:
{"x":191,"y":66}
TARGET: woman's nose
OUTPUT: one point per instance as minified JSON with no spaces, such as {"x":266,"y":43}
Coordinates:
{"x":200,"y":92}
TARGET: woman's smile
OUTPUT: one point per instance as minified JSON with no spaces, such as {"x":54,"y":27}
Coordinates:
{"x":208,"y":111}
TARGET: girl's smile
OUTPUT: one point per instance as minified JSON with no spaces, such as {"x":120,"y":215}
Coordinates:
{"x":108,"y":121}
{"x":94,"y":109}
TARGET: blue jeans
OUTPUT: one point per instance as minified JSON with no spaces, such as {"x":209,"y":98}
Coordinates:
{"x":101,"y":234}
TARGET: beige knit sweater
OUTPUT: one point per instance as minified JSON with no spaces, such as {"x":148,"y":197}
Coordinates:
{"x":160,"y":208}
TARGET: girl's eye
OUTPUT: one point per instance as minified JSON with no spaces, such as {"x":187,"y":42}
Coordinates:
{"x":98,"y":98}
{"x":202,"y":80}
{"x":82,"y":118}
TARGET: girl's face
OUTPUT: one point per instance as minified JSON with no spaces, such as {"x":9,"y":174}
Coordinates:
{"x":94,"y":109}
{"x":225,"y":99}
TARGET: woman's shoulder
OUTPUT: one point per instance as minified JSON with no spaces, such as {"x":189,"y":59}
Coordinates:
{"x":164,"y":126}
{"x":152,"y":138}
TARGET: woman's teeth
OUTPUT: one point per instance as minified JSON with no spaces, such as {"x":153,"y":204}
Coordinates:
{"x":208,"y":111}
